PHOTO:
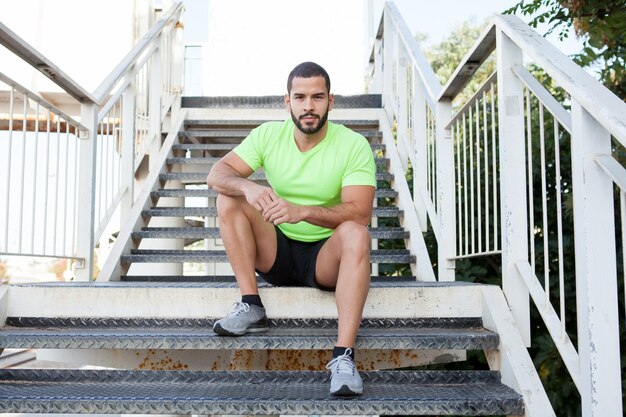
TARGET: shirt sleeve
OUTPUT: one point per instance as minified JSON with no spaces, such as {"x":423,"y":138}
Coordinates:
{"x":251,"y":149}
{"x":361,"y":169}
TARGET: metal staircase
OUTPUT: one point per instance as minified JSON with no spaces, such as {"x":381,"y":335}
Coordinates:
{"x":136,"y":196}
{"x":283,"y":370}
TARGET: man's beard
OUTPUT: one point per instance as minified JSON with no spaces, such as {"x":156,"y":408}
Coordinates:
{"x":310,"y":130}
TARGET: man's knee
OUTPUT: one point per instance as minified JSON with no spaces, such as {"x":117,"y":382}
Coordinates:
{"x":354,"y":236}
{"x":227,"y":205}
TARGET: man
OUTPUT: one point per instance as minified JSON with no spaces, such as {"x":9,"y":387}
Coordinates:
{"x":309,"y":228}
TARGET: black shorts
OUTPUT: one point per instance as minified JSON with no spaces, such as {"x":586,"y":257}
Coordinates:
{"x":294,"y":264}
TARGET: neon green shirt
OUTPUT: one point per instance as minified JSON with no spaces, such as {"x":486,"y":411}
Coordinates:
{"x":312,"y":178}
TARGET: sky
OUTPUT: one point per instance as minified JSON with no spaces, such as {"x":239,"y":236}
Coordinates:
{"x":250,"y":46}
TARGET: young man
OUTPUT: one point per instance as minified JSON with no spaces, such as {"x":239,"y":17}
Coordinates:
{"x":309,"y":228}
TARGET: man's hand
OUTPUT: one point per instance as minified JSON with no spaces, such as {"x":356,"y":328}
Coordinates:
{"x":260,"y":197}
{"x":281,"y":211}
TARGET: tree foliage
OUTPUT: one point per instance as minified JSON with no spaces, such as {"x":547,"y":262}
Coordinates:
{"x":600,"y":24}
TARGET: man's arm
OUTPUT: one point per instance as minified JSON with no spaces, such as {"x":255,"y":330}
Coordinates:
{"x":229,"y":177}
{"x":356,"y":205}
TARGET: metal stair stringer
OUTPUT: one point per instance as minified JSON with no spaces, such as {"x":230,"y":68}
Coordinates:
{"x":511,"y":357}
{"x":422,"y":268}
{"x":133,"y":222}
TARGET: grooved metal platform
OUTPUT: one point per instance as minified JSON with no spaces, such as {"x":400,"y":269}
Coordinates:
{"x":134,"y":333}
{"x":164,"y":255}
{"x":256,"y":392}
{"x":212,"y":212}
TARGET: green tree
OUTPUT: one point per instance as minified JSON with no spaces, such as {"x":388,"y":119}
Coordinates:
{"x":600,"y":24}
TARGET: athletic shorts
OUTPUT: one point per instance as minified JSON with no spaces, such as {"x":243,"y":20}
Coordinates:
{"x":295,"y":263}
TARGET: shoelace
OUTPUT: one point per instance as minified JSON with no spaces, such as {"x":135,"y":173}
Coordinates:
{"x":342,"y":363}
{"x":239,"y":308}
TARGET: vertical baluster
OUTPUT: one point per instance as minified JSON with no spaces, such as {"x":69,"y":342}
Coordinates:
{"x":56,"y":187}
{"x":494,"y":168}
{"x":472,"y":195}
{"x":457,"y":138}
{"x":465,"y":175}
{"x":67,"y":183}
{"x":76,"y":204}
{"x":531,"y":201}
{"x":622,"y":201}
{"x":34,"y":188}
{"x":486,"y":172}
{"x":45,"y":184}
{"x":107,"y":166}
{"x":544,"y":205}
{"x":23,"y":169}
{"x":479,"y":202}
{"x":8,"y":170}
{"x":100,"y":173}
{"x":559,"y":225}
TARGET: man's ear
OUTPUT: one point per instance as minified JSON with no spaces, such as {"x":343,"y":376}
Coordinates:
{"x":331,"y":101}
{"x":287,"y":102}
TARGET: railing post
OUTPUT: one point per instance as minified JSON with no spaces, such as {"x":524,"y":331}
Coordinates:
{"x":128,"y":146}
{"x":513,"y":181}
{"x":420,"y":170}
{"x":388,"y":48}
{"x":86,"y":193}
{"x":596,"y":275}
{"x":446,"y":199}
{"x":155,"y":89}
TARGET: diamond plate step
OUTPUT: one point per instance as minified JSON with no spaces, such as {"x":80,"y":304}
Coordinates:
{"x":284,"y":334}
{"x":201,"y":176}
{"x":231,"y":278}
{"x":357,"y":101}
{"x":380,"y":162}
{"x":205,"y":192}
{"x":255,"y":392}
{"x":212,"y":212}
{"x":214,"y":232}
{"x":165,"y":256}
{"x":250,"y":124}
{"x":230,"y":146}
{"x":240,"y":134}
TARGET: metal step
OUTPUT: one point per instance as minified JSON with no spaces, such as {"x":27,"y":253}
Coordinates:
{"x":250,"y":124}
{"x":380,"y":162}
{"x":171,"y":255}
{"x":231,"y":278}
{"x":240,"y":134}
{"x":283,"y":334}
{"x":358,"y":101}
{"x":212,"y":212}
{"x":214,"y":232}
{"x":230,"y":146}
{"x":188,"y":192}
{"x":201,"y":176}
{"x":253,"y":392}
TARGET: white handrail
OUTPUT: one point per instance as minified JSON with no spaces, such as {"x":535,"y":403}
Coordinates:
{"x":30,"y":55}
{"x":603,"y":105}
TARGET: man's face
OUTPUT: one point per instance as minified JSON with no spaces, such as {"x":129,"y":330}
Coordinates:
{"x":309,"y":103}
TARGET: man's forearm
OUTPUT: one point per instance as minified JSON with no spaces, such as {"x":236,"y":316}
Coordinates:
{"x":331,"y":217}
{"x":226,"y":180}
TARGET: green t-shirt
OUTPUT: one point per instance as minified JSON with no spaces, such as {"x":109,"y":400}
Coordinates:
{"x":312,"y":178}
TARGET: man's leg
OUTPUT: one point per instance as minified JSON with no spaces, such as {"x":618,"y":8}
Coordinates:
{"x":249,"y":240}
{"x":344,"y":263}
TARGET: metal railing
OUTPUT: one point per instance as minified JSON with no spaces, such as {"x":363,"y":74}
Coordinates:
{"x":76,"y":194}
{"x":508,"y":172}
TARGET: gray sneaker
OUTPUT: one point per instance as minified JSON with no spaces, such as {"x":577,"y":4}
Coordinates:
{"x":243,"y":318}
{"x":344,"y":379}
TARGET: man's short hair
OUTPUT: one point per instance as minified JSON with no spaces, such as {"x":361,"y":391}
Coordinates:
{"x":307,"y":70}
